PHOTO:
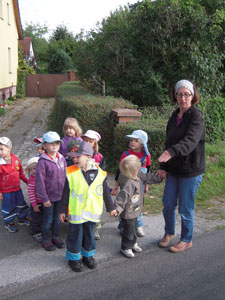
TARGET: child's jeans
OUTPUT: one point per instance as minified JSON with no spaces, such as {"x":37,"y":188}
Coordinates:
{"x":129,"y":236}
{"x":13,"y":204}
{"x":51,"y":221}
{"x":80,"y":241}
{"x":37,"y":220}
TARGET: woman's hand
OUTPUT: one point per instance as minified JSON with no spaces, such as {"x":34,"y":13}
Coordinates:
{"x":161,"y":174}
{"x":164,"y":157}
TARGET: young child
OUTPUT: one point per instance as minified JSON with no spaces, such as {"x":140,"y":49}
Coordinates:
{"x":11,"y":172}
{"x":138,"y":146}
{"x":83,"y":195}
{"x":39,"y":146}
{"x":71,"y":130}
{"x":50,"y":180}
{"x":129,"y":201}
{"x":93,"y":137}
{"x":35,"y":202}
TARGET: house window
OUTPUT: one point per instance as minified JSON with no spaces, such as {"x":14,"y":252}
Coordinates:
{"x":8,"y":13}
{"x":1,"y":10}
{"x":10,"y":60}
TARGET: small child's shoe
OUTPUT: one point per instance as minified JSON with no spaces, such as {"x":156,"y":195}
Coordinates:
{"x":11,"y":227}
{"x":90,"y":262}
{"x":76,"y":265}
{"x":128,"y":253}
{"x":24,"y":222}
{"x":140,"y":232}
{"x":136,"y":248}
{"x":37,"y":237}
{"x":59,"y":244}
{"x":97,"y":235}
{"x":48,"y":246}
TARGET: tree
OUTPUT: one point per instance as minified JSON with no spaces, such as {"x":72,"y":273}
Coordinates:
{"x":59,"y":63}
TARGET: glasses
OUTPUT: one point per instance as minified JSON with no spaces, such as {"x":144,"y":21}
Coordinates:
{"x":185,"y":95}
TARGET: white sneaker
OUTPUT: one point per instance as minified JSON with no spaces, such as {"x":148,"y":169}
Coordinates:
{"x":140,"y":231}
{"x":128,"y":253}
{"x":136,"y":248}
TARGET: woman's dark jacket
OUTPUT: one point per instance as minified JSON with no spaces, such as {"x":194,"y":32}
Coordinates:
{"x":186,"y":144}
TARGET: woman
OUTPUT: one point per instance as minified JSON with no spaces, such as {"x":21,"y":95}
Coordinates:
{"x":182,"y":163}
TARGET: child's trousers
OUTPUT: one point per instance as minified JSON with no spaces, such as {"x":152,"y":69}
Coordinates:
{"x":129,"y":235}
{"x":37,"y":220}
{"x":80,"y":241}
{"x":13,"y":204}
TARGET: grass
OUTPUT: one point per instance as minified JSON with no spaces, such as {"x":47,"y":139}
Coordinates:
{"x":210,"y":195}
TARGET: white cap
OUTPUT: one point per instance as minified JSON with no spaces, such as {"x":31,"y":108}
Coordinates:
{"x":5,"y":141}
{"x":91,"y":134}
{"x":31,"y":161}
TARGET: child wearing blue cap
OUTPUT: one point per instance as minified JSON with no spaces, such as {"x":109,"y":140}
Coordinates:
{"x":50,"y":180}
{"x":138,"y":140}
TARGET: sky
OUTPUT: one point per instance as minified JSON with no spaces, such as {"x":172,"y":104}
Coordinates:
{"x":74,"y":14}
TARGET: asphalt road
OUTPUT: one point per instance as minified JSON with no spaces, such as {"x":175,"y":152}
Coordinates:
{"x":157,"y":274}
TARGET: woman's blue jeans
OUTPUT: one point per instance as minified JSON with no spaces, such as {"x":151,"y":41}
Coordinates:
{"x":180,"y":190}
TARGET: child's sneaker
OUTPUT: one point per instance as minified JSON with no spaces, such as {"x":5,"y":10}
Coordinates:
{"x":90,"y":262}
{"x":11,"y":227}
{"x":128,"y":253}
{"x":140,"y":231}
{"x":76,"y":265}
{"x":24,"y":222}
{"x":136,"y":248}
{"x":48,"y":246}
{"x":97,"y":235}
{"x":59,"y":244}
{"x":37,"y":237}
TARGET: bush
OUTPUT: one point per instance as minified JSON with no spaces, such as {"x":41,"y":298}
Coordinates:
{"x":2,"y":111}
{"x":214,"y":115}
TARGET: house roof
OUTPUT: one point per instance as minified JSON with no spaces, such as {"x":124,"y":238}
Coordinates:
{"x":25,"y":45}
{"x":18,"y":20}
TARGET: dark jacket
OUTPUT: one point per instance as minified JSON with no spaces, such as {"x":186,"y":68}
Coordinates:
{"x":50,"y":178}
{"x":129,"y":201}
{"x":186,"y":144}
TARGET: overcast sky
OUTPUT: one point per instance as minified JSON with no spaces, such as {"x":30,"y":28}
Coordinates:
{"x":74,"y":14}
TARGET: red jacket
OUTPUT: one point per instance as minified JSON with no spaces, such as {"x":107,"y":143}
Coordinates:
{"x":10,"y":175}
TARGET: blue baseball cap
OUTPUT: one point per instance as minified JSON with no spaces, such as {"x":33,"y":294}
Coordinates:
{"x":51,"y":137}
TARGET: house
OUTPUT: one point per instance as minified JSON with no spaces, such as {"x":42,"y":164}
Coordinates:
{"x":10,"y":33}
{"x":27,"y":51}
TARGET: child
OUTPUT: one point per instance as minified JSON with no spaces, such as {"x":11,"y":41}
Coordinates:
{"x":50,"y":180}
{"x":39,"y":146}
{"x":138,"y":146}
{"x":11,"y":172}
{"x":93,"y":137}
{"x":35,"y":201}
{"x":83,"y":195}
{"x":129,"y":201}
{"x":71,"y":130}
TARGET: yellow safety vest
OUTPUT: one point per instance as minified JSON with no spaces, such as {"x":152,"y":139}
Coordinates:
{"x":85,"y":202}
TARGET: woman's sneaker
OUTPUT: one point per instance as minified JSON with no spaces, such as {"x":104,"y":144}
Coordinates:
{"x":136,"y":248}
{"x":11,"y":227}
{"x":140,"y":232}
{"x":37,"y":237}
{"x":128,"y":253}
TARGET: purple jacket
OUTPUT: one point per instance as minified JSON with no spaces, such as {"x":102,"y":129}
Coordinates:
{"x":65,"y":141}
{"x":50,"y":178}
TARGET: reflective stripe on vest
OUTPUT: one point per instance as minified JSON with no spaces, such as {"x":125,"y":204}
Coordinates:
{"x":85,"y":202}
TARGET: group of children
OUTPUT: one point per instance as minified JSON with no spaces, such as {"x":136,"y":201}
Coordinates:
{"x":68,"y":182}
